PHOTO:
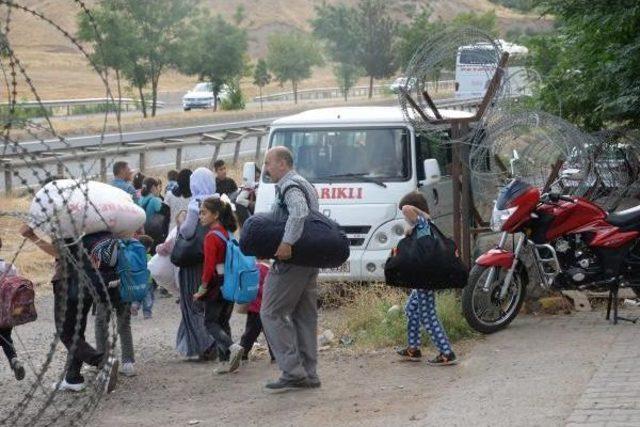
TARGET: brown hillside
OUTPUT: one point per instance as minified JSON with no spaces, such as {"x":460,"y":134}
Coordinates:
{"x":59,"y":70}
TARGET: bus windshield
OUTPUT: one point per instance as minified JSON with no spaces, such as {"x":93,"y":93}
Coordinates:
{"x":477,"y":56}
{"x":348,"y":155}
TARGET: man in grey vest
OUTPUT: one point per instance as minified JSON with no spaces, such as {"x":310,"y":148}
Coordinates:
{"x":289,"y":307}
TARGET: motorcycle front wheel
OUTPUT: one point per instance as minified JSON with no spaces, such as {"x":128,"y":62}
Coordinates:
{"x":481,"y":305}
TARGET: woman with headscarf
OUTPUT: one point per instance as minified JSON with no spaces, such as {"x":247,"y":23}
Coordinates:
{"x":178,"y":198}
{"x":193,"y":338}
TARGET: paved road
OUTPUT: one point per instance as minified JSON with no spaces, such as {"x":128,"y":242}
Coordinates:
{"x":612,"y":397}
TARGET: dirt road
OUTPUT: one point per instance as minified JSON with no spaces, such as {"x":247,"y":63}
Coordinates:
{"x":533,"y":373}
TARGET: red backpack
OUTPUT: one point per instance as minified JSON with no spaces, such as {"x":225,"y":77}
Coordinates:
{"x":16,"y":302}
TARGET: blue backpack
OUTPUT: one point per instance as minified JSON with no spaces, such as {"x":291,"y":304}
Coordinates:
{"x":241,"y":274}
{"x":132,"y":270}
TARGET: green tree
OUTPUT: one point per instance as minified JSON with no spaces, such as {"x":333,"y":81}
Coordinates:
{"x":149,"y":33}
{"x":215,"y":51}
{"x":487,"y":22}
{"x":114,"y":48}
{"x":592,"y":62}
{"x":376,"y":35}
{"x":336,"y":26}
{"x":415,"y":34}
{"x":261,"y":77}
{"x":291,"y":57}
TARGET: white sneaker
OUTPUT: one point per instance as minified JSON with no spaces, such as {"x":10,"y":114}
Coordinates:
{"x":65,"y":386}
{"x":128,"y":370}
{"x":236,"y":357}
{"x":223,"y":368}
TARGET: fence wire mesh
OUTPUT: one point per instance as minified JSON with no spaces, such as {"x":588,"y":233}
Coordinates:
{"x":33,"y":401}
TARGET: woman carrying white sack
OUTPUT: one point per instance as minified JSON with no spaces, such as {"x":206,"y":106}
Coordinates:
{"x":84,"y":220}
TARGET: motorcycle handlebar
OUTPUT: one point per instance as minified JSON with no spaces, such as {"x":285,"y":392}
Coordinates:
{"x":555,"y":197}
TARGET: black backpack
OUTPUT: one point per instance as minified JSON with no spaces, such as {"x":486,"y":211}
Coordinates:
{"x":426,"y":262}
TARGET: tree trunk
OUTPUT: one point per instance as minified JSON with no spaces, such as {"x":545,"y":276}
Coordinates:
{"x":370,"y":86}
{"x":143,"y":105}
{"x":295,"y":91}
{"x":154,"y":94}
{"x":260,"y":90}
{"x":345,"y":91}
{"x":119,"y":108}
{"x":215,"y":100}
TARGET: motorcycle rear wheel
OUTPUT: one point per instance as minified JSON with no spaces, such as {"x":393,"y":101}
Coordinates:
{"x":482,"y":308}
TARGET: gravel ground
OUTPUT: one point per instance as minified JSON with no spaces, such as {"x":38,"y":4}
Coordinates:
{"x":533,"y":373}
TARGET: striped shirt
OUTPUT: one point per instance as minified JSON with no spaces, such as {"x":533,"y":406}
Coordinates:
{"x":296,"y":204}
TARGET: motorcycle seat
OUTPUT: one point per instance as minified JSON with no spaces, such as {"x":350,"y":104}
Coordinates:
{"x":625,"y":218}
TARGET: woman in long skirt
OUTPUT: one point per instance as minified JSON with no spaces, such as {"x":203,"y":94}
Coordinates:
{"x":193,"y":338}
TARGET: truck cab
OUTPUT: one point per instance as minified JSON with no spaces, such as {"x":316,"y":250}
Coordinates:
{"x":362,"y":161}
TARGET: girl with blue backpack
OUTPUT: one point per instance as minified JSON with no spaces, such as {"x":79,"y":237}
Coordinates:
{"x":218,"y":217}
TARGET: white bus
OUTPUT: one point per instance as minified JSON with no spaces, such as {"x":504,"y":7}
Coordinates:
{"x":475,"y":65}
{"x":362,"y":161}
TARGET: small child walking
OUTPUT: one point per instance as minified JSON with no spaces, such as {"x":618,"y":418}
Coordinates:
{"x":421,"y":307}
{"x":6,"y":342}
{"x":149,"y":299}
{"x":253,"y":327}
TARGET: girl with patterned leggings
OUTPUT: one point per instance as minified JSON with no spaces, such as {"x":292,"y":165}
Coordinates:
{"x":421,"y":307}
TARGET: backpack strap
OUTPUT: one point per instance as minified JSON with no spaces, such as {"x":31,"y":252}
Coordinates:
{"x":220,"y":235}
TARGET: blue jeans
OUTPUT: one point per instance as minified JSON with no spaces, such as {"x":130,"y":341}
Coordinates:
{"x":147,"y":302}
{"x":421,"y":309}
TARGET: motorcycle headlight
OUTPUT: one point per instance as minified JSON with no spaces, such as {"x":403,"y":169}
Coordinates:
{"x":499,"y":217}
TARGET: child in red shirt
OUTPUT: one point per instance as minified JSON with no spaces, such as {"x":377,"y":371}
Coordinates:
{"x":253,"y":326}
{"x":218,"y":217}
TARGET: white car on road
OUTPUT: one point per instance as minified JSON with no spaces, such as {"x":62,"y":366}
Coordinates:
{"x":402,"y":82}
{"x":201,"y":96}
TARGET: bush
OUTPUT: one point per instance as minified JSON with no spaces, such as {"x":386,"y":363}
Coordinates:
{"x":368,"y":320}
{"x":234,"y":100}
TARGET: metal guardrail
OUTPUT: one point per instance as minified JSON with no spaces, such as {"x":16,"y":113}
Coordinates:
{"x":178,"y":139}
{"x":68,"y":104}
{"x":357,"y":91}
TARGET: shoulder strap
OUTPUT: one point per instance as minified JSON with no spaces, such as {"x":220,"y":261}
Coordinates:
{"x":299,"y":187}
{"x":220,"y":235}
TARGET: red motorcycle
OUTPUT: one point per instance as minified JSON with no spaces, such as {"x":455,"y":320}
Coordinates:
{"x":574,"y":244}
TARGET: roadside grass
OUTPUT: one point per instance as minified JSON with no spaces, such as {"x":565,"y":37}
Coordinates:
{"x":373,"y":316}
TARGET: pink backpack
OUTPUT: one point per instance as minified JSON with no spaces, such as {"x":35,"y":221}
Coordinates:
{"x":16,"y":302}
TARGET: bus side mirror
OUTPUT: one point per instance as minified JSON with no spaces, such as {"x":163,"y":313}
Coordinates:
{"x":431,"y":172}
{"x":249,"y":174}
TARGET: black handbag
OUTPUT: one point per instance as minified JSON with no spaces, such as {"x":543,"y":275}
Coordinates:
{"x":426,"y":262}
{"x":189,"y":252}
{"x":322,"y":244}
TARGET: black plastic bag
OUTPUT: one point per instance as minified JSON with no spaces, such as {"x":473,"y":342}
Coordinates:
{"x":426,"y":262}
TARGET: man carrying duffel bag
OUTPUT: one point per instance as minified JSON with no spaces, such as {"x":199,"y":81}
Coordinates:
{"x":424,"y":260}
{"x":289,"y":307}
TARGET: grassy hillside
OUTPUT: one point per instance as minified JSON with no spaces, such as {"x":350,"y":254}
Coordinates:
{"x":59,"y":70}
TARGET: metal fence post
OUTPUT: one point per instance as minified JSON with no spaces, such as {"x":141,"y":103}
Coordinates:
{"x":103,"y":169}
{"x":236,"y":153}
{"x":143,"y":161}
{"x":216,"y":151}
{"x":258,"y":146}
{"x":8,"y":179}
{"x":179,"y":158}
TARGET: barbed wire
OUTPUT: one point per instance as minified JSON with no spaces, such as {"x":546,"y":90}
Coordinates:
{"x":54,"y":408}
